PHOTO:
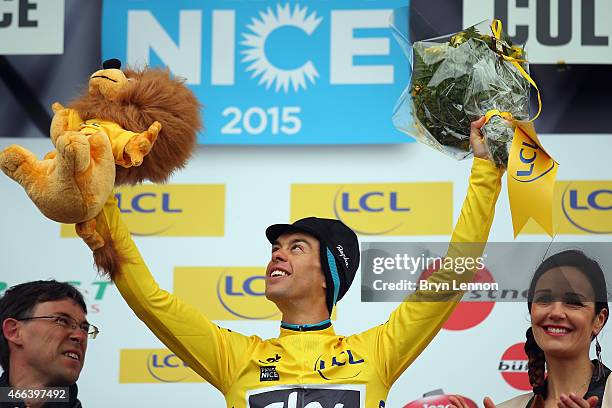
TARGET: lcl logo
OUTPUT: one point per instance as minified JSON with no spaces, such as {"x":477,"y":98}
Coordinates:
{"x":373,"y":201}
{"x":379,"y":208}
{"x":588,"y":206}
{"x":528,"y":172}
{"x":243,"y":294}
{"x":147,"y":202}
{"x":167,"y":367}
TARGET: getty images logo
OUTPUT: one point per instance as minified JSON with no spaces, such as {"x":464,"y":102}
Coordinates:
{"x":342,"y":255}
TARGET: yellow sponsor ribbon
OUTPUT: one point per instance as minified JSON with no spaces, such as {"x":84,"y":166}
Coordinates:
{"x":493,"y":112}
{"x":496,"y":29}
{"x":531,"y":170}
{"x":531,"y":179}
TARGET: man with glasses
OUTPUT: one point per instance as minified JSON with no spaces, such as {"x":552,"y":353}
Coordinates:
{"x":43,"y":341}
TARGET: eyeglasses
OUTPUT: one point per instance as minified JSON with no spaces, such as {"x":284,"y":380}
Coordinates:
{"x":68,"y":322}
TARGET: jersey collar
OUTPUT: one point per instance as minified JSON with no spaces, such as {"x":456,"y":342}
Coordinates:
{"x":324,"y":327}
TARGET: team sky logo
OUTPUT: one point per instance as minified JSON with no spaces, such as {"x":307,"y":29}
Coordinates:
{"x":239,"y":292}
{"x":378,"y":209}
{"x":437,"y":399}
{"x":308,"y":396}
{"x":173,"y":210}
{"x":513,"y":367}
{"x":154,"y":366}
{"x":580,"y":207}
{"x":343,"y":366}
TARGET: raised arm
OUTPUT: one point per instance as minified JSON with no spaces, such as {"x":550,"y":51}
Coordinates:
{"x":211,"y":351}
{"x":413,"y":325}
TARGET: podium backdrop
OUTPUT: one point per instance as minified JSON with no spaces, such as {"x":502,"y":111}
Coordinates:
{"x":312,"y":84}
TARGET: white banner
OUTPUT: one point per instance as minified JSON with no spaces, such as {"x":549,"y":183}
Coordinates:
{"x":31,"y":27}
{"x":574,"y":32}
{"x":476,"y":354}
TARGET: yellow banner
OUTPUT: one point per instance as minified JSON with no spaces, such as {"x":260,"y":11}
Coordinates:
{"x":580,"y":207}
{"x":227,"y":293}
{"x":154,"y":366}
{"x":531,"y":179}
{"x":170,"y":210}
{"x":379,"y":209}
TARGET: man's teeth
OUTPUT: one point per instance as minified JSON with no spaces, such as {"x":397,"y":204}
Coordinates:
{"x":278,"y":273}
{"x":557,"y":330}
{"x":72,"y":355}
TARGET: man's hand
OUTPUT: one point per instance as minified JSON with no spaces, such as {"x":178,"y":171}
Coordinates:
{"x":477,"y":140}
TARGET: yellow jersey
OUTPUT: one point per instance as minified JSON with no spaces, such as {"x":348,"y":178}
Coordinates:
{"x":312,"y":368}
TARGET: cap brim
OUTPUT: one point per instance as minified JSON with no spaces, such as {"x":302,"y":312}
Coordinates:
{"x":276,"y":230}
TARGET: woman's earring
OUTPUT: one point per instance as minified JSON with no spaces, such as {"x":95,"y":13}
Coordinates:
{"x":600,"y":370}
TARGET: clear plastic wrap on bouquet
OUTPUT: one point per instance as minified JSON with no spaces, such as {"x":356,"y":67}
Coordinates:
{"x":455,"y":80}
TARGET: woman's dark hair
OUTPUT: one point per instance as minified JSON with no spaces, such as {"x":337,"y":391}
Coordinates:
{"x":19,"y":301}
{"x":593,"y":272}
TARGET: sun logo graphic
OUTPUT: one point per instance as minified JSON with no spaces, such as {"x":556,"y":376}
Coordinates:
{"x":255,"y":42}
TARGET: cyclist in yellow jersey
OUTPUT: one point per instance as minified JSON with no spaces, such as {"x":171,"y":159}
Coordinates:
{"x":313,"y":264}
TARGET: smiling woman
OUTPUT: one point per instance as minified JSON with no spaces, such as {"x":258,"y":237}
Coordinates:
{"x":568,"y":307}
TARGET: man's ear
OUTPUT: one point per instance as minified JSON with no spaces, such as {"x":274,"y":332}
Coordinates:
{"x":11,"y":328}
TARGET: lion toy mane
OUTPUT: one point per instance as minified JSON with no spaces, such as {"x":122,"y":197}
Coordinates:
{"x":130,"y":126}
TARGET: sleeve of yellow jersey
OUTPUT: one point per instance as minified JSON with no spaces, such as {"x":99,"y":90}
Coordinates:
{"x":413,"y":325}
{"x":212,"y":352}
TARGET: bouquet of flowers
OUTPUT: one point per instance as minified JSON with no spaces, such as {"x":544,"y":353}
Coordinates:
{"x":458,"y":78}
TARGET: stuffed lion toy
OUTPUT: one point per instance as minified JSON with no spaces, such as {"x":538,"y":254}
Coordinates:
{"x":130,"y":126}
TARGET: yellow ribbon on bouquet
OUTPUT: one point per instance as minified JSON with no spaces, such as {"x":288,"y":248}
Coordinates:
{"x":531,"y":179}
{"x":531,"y":170}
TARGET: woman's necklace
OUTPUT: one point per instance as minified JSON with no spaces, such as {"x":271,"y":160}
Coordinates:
{"x":588,"y":381}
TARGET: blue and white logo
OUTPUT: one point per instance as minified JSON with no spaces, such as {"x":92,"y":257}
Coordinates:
{"x":272,"y":72}
{"x":256,"y":42}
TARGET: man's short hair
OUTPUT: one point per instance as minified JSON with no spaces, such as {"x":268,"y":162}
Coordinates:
{"x":19,"y":301}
